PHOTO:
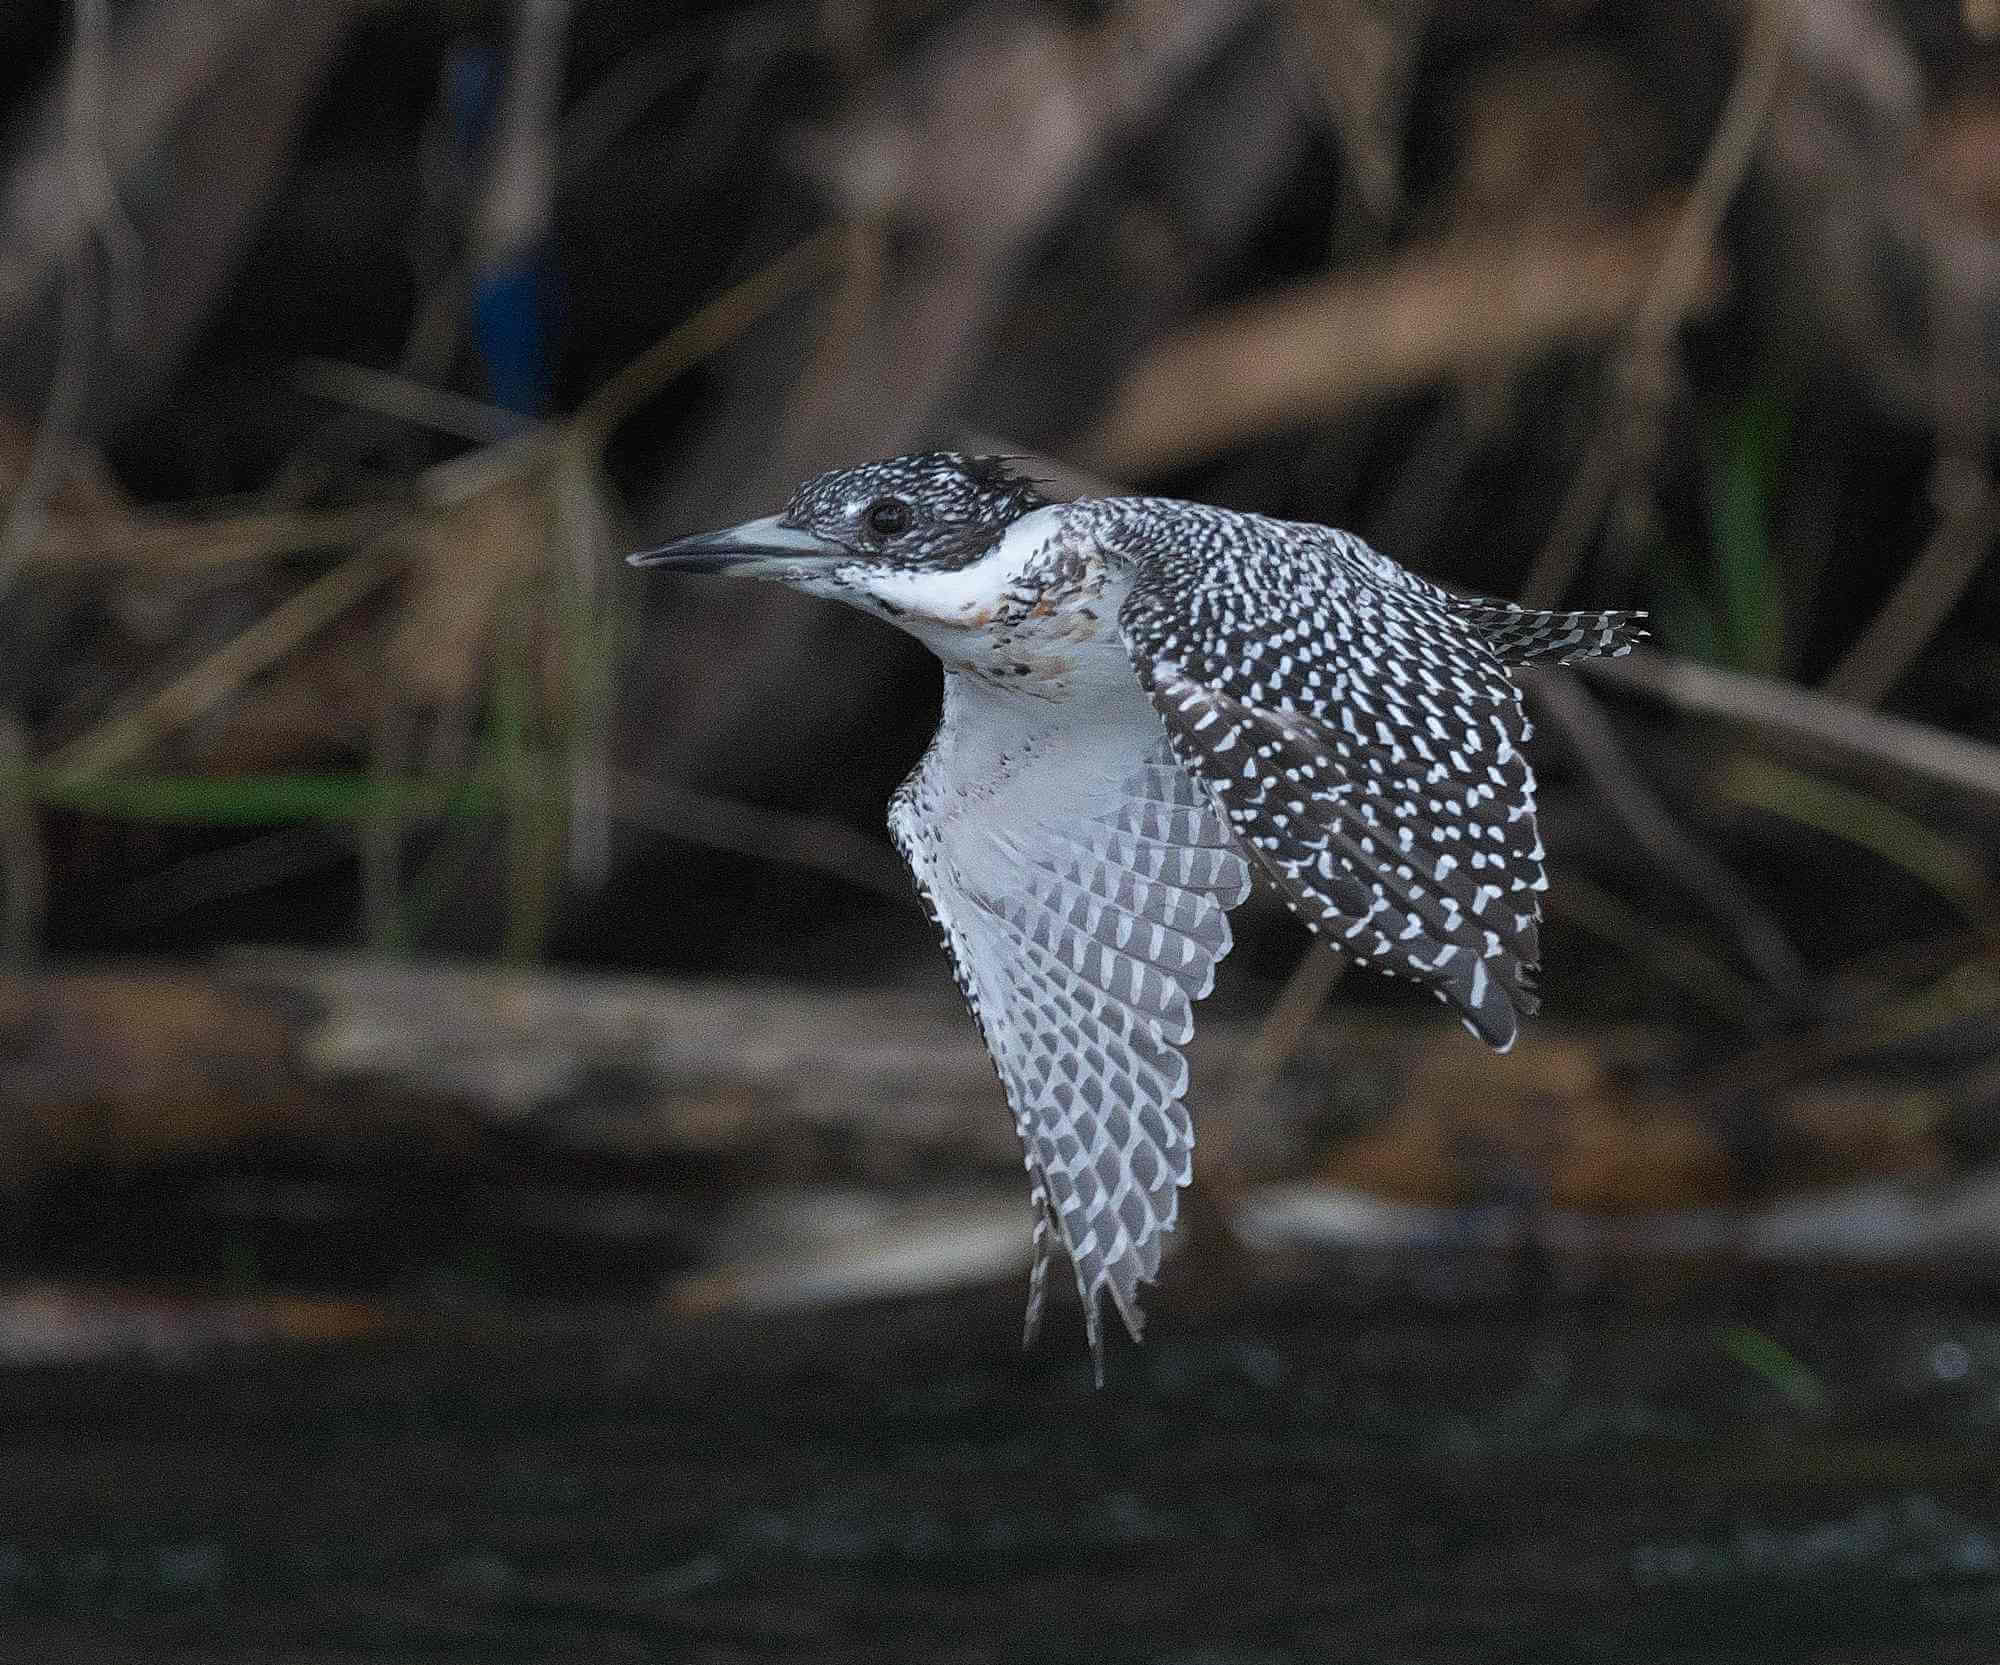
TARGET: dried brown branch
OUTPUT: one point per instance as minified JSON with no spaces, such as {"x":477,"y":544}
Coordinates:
{"x":167,"y":543}
{"x":1477,"y":301}
{"x":1570,"y":706}
{"x":1671,"y":957}
{"x":48,"y":219}
{"x":131,"y":734}
{"x":82,"y":286}
{"x":756,"y":1085}
{"x":1968,"y":510}
{"x":406,"y":400}
{"x":1890,"y":746}
{"x":1640,"y":374}
{"x":767,"y":1080}
{"x":981,"y":140}
{"x":496,"y":475}
{"x":201,"y":102}
{"x":1962,"y":489}
{"x":714,"y":822}
{"x":1363,"y":53}
{"x":791,"y":1249}
{"x":970,"y":153}
{"x":515,"y":205}
{"x":1889,"y":254}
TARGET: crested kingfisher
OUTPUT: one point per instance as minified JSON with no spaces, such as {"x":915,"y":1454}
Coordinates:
{"x":1146,"y":701}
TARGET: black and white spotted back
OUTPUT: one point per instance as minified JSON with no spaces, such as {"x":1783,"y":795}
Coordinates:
{"x":1358,"y":728}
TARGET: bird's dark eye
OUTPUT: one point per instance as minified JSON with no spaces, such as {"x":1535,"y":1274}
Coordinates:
{"x":888,"y":516}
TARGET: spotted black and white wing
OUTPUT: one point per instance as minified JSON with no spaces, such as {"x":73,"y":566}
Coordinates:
{"x":1081,"y":941}
{"x":1358,"y":727}
{"x":1523,"y":636}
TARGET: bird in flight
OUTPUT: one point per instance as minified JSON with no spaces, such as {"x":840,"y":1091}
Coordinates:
{"x":1146,"y":701}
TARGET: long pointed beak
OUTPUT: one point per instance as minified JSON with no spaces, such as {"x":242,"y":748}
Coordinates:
{"x":740,"y":549}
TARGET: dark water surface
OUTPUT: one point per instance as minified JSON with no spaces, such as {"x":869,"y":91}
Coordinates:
{"x":1796,"y":1468}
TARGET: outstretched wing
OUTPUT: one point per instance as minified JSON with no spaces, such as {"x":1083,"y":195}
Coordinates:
{"x":1364,"y":740}
{"x":1082,"y":933}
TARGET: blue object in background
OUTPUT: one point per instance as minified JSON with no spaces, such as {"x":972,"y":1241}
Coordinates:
{"x":514,"y":287}
{"x":513,"y":315}
{"x":471,"y":72}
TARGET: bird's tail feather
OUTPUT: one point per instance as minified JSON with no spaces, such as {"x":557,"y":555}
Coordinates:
{"x":1524,"y":636}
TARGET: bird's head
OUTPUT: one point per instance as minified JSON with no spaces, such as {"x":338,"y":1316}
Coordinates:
{"x":899,"y":537}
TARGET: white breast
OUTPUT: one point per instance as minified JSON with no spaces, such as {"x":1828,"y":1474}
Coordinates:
{"x":1000,"y":756}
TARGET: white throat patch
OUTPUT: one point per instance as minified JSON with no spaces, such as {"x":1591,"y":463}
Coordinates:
{"x":965,"y":597}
